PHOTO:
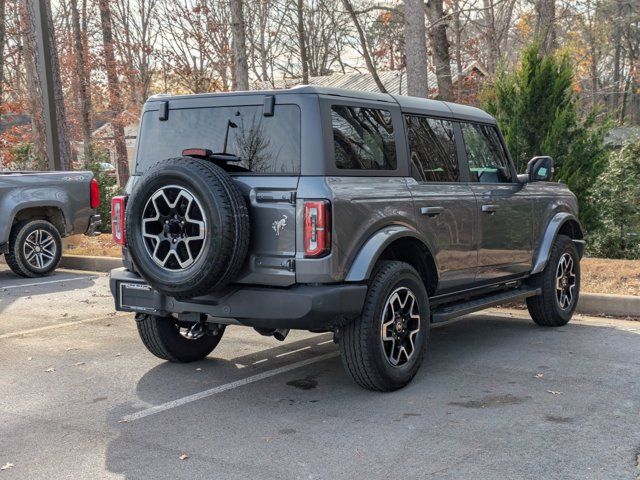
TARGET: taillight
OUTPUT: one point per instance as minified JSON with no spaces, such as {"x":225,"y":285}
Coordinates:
{"x":118,"y":230}
{"x":94,"y":195}
{"x":317,"y":228}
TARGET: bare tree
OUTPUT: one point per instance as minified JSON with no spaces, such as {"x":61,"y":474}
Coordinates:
{"x":115,"y":100}
{"x":2,"y":34}
{"x":83,"y":81}
{"x":546,"y":25}
{"x":136,"y":30}
{"x":415,"y":41}
{"x":33,"y":89}
{"x":302,"y":41}
{"x":440,"y":46}
{"x":363,"y":45}
{"x":60,"y":113}
{"x":198,"y":55}
{"x":239,"y":46}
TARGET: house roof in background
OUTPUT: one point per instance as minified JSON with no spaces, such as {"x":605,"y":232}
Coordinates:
{"x":621,"y":136}
{"x":394,"y":81}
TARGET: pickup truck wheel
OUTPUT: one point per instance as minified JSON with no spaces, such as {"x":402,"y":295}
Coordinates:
{"x":560,"y":284}
{"x":35,"y":248}
{"x":187,"y":227}
{"x":168,"y":339}
{"x":383,"y":348}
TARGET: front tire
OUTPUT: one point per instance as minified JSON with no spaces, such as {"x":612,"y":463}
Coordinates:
{"x":35,"y":248}
{"x":165,"y":338}
{"x":560,"y":285}
{"x":383,"y":348}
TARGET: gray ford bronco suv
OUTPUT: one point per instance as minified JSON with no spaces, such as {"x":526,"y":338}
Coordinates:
{"x":372,"y":216}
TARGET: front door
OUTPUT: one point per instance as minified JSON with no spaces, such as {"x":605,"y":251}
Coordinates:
{"x":504,"y":208}
{"x":444,"y":207}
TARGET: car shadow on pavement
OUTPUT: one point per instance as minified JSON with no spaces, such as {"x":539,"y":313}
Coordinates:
{"x":228,"y":435}
{"x":13,"y":287}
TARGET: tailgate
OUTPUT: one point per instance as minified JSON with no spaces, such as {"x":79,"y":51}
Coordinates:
{"x":272,"y":214}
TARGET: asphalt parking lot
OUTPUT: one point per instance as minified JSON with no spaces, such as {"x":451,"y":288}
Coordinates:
{"x":497,"y":397}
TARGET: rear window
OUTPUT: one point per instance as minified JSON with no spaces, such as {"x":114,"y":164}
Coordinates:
{"x":363,"y":138}
{"x":269,"y":145}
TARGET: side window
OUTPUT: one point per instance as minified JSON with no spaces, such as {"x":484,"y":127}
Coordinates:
{"x":363,"y":138}
{"x":432,"y":149}
{"x":488,"y":162}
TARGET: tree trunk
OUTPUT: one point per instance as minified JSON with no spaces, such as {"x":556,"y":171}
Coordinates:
{"x":440,"y":43}
{"x":458,"y":47}
{"x":85,"y":101}
{"x":491,"y":36}
{"x":2,"y":32}
{"x":28,"y":41}
{"x":363,"y":44}
{"x":415,"y":41}
{"x":115,"y":100}
{"x":546,"y":25}
{"x":58,"y":100}
{"x":239,"y":45}
{"x":617,"y":46}
{"x":302,"y":41}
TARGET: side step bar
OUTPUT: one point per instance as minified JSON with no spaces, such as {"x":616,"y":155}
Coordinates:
{"x":445,"y":313}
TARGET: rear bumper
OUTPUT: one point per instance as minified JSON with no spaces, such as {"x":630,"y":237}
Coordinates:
{"x":304,"y":307}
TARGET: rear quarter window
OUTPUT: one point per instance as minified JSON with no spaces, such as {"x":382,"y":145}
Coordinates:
{"x":363,"y":138}
{"x":266,"y":145}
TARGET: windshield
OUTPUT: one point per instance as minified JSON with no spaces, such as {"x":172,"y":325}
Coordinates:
{"x":263,"y":144}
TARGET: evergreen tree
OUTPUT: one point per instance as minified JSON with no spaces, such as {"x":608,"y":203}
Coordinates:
{"x":535,"y":106}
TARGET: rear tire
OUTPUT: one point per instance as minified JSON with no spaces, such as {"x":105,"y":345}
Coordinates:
{"x":162,"y":337}
{"x":560,"y":285}
{"x":187,"y":227}
{"x":35,"y":248}
{"x":371,"y":345}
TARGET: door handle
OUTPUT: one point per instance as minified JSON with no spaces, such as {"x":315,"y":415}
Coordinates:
{"x":431,"y":211}
{"x":490,"y":208}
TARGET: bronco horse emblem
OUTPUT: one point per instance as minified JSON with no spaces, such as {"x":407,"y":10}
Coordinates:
{"x":278,"y":225}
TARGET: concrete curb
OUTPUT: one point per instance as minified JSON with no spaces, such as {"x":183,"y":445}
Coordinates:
{"x":590,"y":303}
{"x":617,"y":305}
{"x":78,"y":262}
{"x":94,"y":264}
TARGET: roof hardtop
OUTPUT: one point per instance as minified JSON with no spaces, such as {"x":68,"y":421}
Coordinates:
{"x":407,"y":104}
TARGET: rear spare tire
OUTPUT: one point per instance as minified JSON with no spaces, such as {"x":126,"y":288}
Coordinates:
{"x":187,"y":227}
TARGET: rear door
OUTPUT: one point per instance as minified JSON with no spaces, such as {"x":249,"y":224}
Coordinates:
{"x":505,"y":209}
{"x":445,"y":208}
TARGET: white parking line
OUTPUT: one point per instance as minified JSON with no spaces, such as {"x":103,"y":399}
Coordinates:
{"x":223,"y":388}
{"x":57,"y":325}
{"x":35,"y":284}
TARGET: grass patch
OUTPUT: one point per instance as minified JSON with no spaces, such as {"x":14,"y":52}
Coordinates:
{"x":100,"y":246}
{"x":618,"y":277}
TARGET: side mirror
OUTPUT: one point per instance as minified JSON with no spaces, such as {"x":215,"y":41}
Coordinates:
{"x":540,"y":169}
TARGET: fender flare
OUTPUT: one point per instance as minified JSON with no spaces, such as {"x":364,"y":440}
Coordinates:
{"x":370,"y":252}
{"x":551,"y":232}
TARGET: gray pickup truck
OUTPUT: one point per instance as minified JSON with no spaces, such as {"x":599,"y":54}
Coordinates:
{"x":372,"y":216}
{"x":38,"y":209}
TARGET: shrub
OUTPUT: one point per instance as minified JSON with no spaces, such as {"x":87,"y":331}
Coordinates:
{"x":617,"y":194}
{"x":94,"y":157}
{"x":535,"y":106}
